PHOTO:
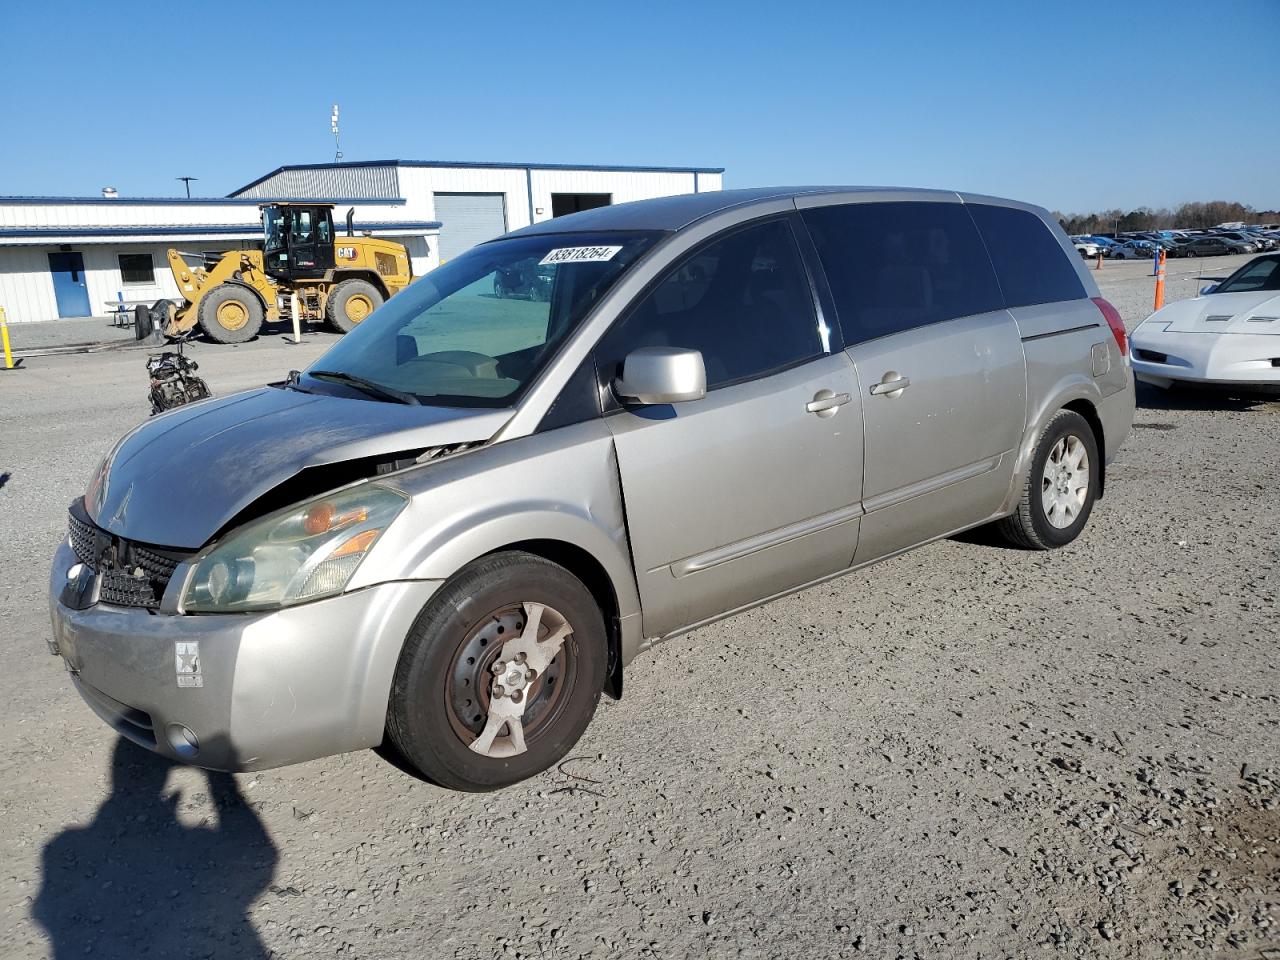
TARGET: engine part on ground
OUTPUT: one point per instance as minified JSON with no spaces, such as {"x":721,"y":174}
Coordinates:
{"x":173,"y":379}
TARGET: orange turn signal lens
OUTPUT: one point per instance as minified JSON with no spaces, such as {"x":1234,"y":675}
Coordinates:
{"x":358,"y":544}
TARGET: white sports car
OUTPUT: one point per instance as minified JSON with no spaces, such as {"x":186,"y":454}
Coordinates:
{"x":1227,"y":336}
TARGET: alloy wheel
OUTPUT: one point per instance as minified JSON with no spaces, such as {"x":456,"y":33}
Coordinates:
{"x":1064,"y":485}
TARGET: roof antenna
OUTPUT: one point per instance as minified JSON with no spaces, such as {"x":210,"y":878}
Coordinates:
{"x":333,"y":126}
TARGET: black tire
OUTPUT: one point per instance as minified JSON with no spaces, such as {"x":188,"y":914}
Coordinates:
{"x":1189,"y":253}
{"x":161,"y":313}
{"x":141,"y":322}
{"x":341,"y":309}
{"x":1029,"y":526}
{"x":425,"y":729}
{"x":230,"y":313}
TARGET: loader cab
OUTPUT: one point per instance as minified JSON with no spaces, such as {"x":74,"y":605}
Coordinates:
{"x":297,"y":240}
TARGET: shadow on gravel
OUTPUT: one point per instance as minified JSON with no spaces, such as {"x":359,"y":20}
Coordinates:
{"x":1188,"y":398}
{"x":986,"y":536}
{"x":135,"y":881}
{"x":5,"y":477}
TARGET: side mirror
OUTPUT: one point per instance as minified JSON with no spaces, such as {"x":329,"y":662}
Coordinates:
{"x":1208,"y":289}
{"x":653,"y":375}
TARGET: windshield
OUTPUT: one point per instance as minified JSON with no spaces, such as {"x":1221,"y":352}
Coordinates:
{"x":272,"y":228}
{"x":1260,"y":274}
{"x":477,"y":330}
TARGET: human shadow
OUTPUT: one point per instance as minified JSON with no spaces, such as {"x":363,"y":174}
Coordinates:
{"x":137,"y":882}
{"x":5,"y":477}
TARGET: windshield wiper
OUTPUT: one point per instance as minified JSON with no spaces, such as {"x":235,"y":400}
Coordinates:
{"x":367,"y":386}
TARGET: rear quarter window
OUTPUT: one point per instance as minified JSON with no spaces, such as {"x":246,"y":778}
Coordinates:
{"x":1030,"y":264}
{"x":896,"y":266}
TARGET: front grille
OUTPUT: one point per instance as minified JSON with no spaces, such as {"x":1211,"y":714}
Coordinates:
{"x":131,"y":574}
{"x":126,"y":590}
{"x":82,"y":542}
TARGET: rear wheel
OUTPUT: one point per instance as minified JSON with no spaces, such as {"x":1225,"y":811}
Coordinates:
{"x":350,"y":302}
{"x":1061,"y":486}
{"x":230,"y":313}
{"x":500,"y":675}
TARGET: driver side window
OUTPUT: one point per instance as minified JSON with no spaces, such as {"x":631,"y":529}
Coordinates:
{"x":743,"y":300}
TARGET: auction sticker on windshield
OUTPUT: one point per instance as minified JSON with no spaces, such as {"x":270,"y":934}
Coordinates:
{"x":579,"y":255}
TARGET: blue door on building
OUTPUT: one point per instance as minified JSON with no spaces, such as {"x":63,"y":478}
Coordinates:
{"x":68,"y":284}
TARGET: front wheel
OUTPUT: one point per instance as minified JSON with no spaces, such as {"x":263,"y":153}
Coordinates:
{"x":500,"y":674}
{"x":350,"y":302}
{"x":230,"y":313}
{"x":1061,"y":486}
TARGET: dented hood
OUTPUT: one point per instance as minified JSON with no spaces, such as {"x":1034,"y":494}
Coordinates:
{"x":179,"y":478}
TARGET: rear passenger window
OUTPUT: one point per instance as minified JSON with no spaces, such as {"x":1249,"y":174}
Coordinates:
{"x":744,"y":301}
{"x":896,"y":266}
{"x":1031,"y":265}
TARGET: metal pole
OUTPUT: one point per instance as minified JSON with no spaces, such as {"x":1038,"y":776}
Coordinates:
{"x":4,"y":338}
{"x":297,"y":321}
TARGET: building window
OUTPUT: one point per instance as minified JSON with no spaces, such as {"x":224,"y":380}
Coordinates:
{"x":565,"y":203}
{"x":137,"y":268}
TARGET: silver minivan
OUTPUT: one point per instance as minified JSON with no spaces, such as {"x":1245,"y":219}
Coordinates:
{"x":454,"y":531}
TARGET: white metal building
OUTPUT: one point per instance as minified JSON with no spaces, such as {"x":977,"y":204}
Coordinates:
{"x":76,"y":256}
{"x":479,"y":201}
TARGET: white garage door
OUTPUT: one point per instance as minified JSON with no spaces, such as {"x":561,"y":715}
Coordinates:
{"x":467,"y":219}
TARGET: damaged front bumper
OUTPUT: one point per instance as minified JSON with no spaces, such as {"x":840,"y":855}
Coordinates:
{"x":236,"y":691}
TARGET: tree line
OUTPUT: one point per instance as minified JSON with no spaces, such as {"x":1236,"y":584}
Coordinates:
{"x":1188,"y":215}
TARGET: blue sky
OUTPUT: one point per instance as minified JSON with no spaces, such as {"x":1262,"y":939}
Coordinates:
{"x":1073,"y":105}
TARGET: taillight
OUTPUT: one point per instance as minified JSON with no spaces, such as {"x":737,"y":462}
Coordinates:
{"x":1112,"y":316}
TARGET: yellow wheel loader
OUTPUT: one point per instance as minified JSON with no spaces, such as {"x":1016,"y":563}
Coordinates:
{"x":340,"y":280}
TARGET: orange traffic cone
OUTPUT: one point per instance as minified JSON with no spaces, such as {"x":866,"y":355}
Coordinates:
{"x":1160,"y":281}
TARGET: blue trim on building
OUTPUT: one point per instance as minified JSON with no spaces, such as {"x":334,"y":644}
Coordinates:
{"x":476,"y":165}
{"x":183,"y":201}
{"x":54,"y":233}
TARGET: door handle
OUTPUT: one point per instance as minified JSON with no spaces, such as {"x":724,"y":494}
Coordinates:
{"x":891,"y":385}
{"x":825,"y":403}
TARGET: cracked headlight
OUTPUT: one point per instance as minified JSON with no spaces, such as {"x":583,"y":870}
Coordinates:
{"x":305,"y":552}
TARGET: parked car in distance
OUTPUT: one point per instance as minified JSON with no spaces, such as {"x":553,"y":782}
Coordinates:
{"x":1238,"y":241}
{"x":1133,"y":250}
{"x":452,"y":532}
{"x":1206,"y":246}
{"x":1085,"y":247}
{"x":1227,"y":337}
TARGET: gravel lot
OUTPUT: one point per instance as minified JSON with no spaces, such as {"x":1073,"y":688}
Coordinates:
{"x":969,"y":751}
